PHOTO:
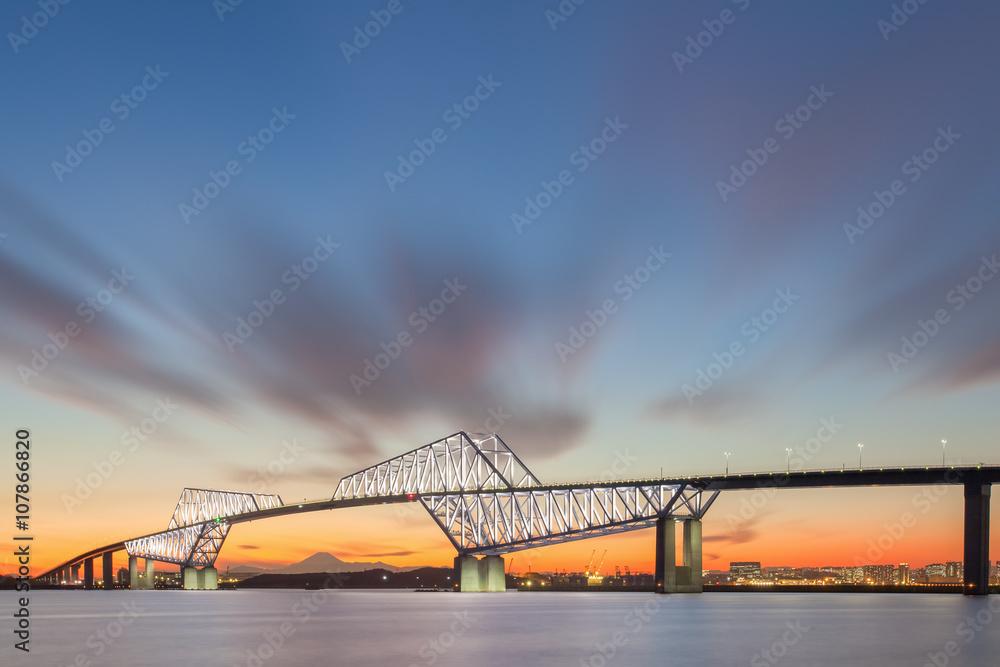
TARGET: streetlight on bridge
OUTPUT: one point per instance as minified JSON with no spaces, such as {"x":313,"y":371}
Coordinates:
{"x":788,"y":455}
{"x":727,"y":462}
{"x":944,"y":444}
{"x":860,"y":450}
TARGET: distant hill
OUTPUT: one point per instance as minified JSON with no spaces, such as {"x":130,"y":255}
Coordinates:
{"x":433,"y":578}
{"x":322,"y":562}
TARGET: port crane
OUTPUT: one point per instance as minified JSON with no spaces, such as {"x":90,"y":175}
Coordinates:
{"x":598,"y":570}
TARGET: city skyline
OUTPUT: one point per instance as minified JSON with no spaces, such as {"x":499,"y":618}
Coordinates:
{"x":261,"y":250}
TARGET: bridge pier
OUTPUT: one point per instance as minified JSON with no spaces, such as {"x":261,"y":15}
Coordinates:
{"x":88,"y":573}
{"x":150,"y":582}
{"x":205,"y":579}
{"x":977,"y":538}
{"x":485,"y":575}
{"x":74,"y":573}
{"x":671,"y":578}
{"x":109,"y":571}
{"x":133,"y":573}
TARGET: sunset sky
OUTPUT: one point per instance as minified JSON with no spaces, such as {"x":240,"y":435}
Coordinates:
{"x":211,"y":220}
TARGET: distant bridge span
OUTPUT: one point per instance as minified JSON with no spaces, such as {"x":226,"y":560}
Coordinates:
{"x":488,"y":503}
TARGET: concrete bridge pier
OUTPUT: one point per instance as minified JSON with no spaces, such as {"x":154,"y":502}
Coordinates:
{"x":977,"y":538}
{"x":205,"y":579}
{"x":480,"y":575}
{"x":133,"y":573}
{"x":74,"y":573}
{"x":150,"y":582}
{"x":109,"y":571}
{"x":670,"y":577}
{"x":88,"y":573}
{"x":208,"y":579}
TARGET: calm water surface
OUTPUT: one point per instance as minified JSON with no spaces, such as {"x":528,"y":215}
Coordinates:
{"x":573,"y":629}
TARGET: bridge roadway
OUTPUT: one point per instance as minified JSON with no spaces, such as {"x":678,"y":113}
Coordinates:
{"x":976,"y":480}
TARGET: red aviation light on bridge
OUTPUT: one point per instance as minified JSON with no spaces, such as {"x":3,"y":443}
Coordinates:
{"x":410,"y":496}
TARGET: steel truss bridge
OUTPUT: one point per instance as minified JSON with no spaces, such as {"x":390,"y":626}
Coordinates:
{"x":489,"y":503}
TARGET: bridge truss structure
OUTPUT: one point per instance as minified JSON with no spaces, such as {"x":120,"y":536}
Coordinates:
{"x":198,"y":526}
{"x":454,"y":464}
{"x":474,"y":486}
{"x":498,"y":522}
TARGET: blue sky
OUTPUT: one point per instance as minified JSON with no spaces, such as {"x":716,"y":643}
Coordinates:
{"x":494,"y":347}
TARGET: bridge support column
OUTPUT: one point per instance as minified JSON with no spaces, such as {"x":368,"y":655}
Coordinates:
{"x":484,"y":575}
{"x":88,"y":573}
{"x":109,"y":571}
{"x":491,"y":575}
{"x":150,"y":582}
{"x":74,"y":571}
{"x":977,"y":538}
{"x":190,"y":578}
{"x":467,"y":573}
{"x":692,"y":554}
{"x":208,"y":579}
{"x":133,"y":573}
{"x":670,"y":578}
{"x":666,"y":555}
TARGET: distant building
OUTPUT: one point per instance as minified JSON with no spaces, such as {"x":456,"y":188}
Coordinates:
{"x":903,"y":576}
{"x":955,"y":569}
{"x":744,"y":571}
{"x":936,"y":570}
{"x":878,"y":574}
{"x":123,"y":579}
